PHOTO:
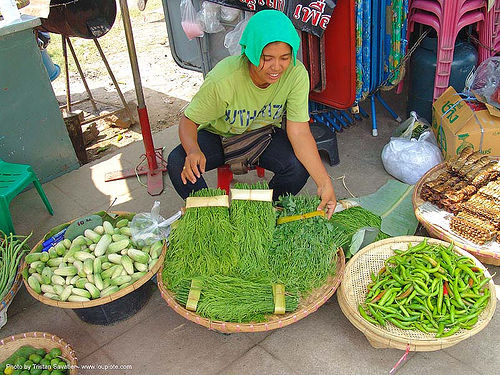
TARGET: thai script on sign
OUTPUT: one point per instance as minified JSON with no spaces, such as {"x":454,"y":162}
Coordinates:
{"x":314,"y":14}
{"x":309,"y":16}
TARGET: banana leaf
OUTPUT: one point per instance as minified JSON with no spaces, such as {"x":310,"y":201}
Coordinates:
{"x":393,"y":203}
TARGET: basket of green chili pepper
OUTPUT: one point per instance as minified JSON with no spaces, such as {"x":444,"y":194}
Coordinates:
{"x":416,"y":291}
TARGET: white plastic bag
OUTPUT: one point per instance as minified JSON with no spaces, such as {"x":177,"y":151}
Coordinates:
{"x":409,"y":159}
{"x":486,"y":83}
{"x":232,"y":38}
{"x":209,"y":17}
{"x":189,"y":21}
{"x":147,"y":228}
{"x":412,"y":127}
{"x":229,"y":14}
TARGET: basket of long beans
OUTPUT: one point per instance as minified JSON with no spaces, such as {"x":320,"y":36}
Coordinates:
{"x":416,"y":291}
{"x":229,"y":258}
{"x":304,"y":306}
{"x":12,"y":249}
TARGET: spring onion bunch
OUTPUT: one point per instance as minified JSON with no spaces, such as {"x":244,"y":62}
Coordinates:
{"x":303,"y":252}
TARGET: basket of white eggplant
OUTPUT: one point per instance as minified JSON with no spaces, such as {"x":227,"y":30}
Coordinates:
{"x":99,"y":266}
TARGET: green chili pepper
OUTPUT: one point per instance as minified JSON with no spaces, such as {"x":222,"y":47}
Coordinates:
{"x":385,"y":297}
{"x":450,"y":332}
{"x":468,"y":271}
{"x":467,"y":317}
{"x":483,"y":282}
{"x":365,"y":315}
{"x":399,"y":324}
{"x":456,"y":293}
{"x":379,"y":296}
{"x":377,"y":316}
{"x":420,"y":290}
{"x":391,"y":298}
{"x":387,"y":309}
{"x":484,"y":298}
{"x":440,"y":297}
{"x":470,"y":324}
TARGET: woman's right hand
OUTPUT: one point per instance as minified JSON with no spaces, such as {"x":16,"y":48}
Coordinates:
{"x":194,"y":166}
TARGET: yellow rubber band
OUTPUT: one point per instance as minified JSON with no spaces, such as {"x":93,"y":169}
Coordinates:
{"x":279,"y":298}
{"x":288,"y":219}
{"x":194,"y":295}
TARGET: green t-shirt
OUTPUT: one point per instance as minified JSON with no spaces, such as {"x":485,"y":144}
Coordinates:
{"x":229,"y":103}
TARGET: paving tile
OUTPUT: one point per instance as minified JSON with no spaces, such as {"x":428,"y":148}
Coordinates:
{"x":436,"y":363}
{"x":325,"y":342}
{"x":21,"y":302}
{"x":495,"y":272}
{"x":44,"y":318}
{"x":175,"y":345}
{"x":29,"y":213}
{"x":87,"y":185}
{"x":481,"y":350}
{"x":141,"y":201}
{"x":99,"y":362}
{"x":256,"y":362}
{"x":104,"y":334}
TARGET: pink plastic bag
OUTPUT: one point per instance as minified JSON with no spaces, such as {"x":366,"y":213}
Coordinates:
{"x":189,"y":21}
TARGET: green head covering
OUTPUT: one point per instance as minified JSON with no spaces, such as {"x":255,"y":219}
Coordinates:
{"x":265,"y":27}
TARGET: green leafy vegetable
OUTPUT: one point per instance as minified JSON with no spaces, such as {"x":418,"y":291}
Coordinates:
{"x":303,"y":252}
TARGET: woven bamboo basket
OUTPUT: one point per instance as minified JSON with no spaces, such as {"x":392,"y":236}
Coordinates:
{"x":7,"y":300}
{"x":38,"y":340}
{"x":483,"y":255}
{"x":353,"y":289}
{"x":98,"y":301}
{"x":307,"y":306}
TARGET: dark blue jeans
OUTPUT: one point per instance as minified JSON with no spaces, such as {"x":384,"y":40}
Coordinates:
{"x":289,"y":174}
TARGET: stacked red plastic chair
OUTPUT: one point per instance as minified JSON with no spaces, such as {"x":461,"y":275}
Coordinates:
{"x":448,"y":17}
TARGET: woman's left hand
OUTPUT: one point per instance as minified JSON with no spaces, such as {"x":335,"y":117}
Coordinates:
{"x":328,"y":199}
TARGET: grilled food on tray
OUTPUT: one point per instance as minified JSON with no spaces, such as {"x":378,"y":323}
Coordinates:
{"x":470,"y":189}
{"x":472,"y":228}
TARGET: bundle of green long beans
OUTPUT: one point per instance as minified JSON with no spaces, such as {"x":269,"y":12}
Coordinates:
{"x":427,"y":287}
{"x":303,"y":252}
{"x":232,"y":299}
{"x":254,"y":223}
{"x":203,"y":242}
{"x":353,"y":219}
{"x":12,"y":250}
{"x":357,"y":217}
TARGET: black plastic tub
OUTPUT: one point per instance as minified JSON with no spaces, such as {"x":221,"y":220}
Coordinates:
{"x":118,"y":310}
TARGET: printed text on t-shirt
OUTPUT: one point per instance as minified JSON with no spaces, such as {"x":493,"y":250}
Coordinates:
{"x":273,"y":111}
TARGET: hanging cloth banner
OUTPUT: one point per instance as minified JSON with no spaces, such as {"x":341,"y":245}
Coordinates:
{"x":309,"y":16}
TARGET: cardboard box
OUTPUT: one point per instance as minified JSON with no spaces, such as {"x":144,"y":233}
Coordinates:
{"x":456,"y":126}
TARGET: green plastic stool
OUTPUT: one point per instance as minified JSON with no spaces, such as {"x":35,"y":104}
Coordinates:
{"x":14,"y":178}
